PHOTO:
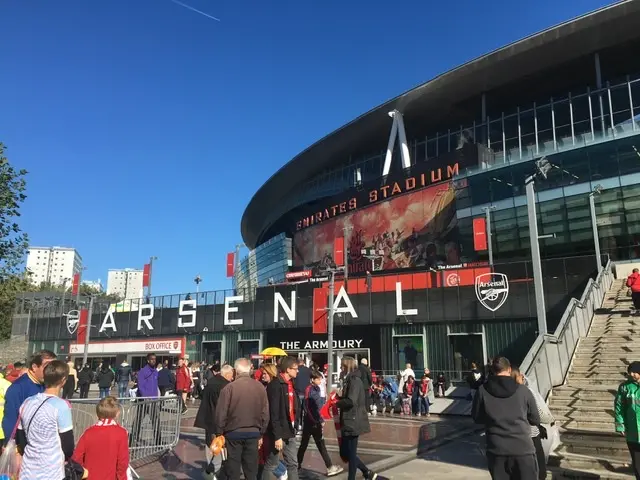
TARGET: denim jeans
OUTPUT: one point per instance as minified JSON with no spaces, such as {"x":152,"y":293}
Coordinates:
{"x":123,"y":389}
{"x":423,"y":402}
{"x":105,"y":392}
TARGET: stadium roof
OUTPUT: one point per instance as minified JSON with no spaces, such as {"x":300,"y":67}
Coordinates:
{"x":442,"y":99}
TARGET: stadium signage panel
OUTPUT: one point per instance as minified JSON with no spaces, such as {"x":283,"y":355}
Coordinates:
{"x":370,"y":194}
{"x":187,"y":311}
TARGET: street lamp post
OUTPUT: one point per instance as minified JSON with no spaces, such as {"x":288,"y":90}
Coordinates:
{"x":594,"y":224}
{"x":542,"y":166}
{"x":330,"y":315}
{"x":487,"y":212}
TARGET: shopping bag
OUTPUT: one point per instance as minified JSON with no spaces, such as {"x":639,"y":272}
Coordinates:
{"x":9,"y":462}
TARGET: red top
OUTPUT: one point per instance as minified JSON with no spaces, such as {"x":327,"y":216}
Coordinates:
{"x":258,"y":374}
{"x":183,"y":379}
{"x":104,"y":451}
{"x":292,"y":410}
{"x":633,"y":282}
{"x":424,"y":387}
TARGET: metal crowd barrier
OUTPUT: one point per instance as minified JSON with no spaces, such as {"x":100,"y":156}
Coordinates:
{"x":548,"y":361}
{"x":153,"y":424}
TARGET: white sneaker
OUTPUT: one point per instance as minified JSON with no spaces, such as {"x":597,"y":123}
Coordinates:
{"x":334,"y":470}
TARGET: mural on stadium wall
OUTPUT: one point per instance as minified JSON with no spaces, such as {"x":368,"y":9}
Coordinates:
{"x":418,"y":229}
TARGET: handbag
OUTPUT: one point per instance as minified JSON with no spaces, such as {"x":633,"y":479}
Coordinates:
{"x":73,"y":470}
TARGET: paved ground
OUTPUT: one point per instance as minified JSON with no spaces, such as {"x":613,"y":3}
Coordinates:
{"x":392,"y":447}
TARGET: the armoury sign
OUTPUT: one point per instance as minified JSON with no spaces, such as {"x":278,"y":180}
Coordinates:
{"x":492,"y":290}
{"x":281,"y":306}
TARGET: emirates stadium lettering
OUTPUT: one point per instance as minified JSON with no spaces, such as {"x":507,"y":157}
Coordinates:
{"x":283,"y":309}
{"x":391,"y":189}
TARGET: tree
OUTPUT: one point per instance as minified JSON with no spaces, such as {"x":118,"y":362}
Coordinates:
{"x":13,"y":242}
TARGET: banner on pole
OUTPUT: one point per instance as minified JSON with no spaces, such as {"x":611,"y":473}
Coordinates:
{"x":230,"y":264}
{"x":320,"y":311}
{"x":480,"y":234}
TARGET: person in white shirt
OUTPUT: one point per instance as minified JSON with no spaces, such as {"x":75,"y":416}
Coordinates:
{"x":404,"y":376}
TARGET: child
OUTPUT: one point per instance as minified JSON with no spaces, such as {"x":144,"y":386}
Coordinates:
{"x":104,"y":448}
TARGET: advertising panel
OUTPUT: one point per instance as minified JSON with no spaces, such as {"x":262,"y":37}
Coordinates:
{"x":417,"y":229}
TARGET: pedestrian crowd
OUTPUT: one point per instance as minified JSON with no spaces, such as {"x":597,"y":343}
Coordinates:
{"x":266,"y":418}
{"x":37,"y":434}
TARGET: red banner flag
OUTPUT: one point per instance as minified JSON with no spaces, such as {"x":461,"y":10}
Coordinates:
{"x":231,"y":264}
{"x":76,"y":284}
{"x":320,"y":311}
{"x":146,"y":274}
{"x":479,"y":234}
{"x":83,"y":322}
{"x":338,"y":251}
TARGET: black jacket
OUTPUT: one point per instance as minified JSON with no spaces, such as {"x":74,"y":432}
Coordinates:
{"x":354,"y":420}
{"x":302,"y":380}
{"x":507,"y":411}
{"x":166,"y":378}
{"x":123,"y":373}
{"x":85,"y":376}
{"x":206,"y":416}
{"x":280,"y":426}
{"x":365,"y":375}
{"x":105,"y":378}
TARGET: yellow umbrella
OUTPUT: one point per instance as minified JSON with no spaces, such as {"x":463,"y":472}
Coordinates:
{"x":274,"y":352}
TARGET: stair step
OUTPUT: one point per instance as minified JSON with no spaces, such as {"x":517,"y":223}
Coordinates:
{"x":607,"y":378}
{"x":603,"y":416}
{"x":570,"y":411}
{"x":560,"y":402}
{"x":592,"y":391}
{"x":609,"y":452}
{"x":578,"y":462}
{"x":601,"y":368}
{"x":600,"y":381}
{"x":591,"y":425}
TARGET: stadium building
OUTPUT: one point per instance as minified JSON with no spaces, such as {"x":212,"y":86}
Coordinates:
{"x":408,"y":186}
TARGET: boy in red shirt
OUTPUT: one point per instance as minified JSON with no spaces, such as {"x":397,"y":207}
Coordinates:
{"x":104,"y":448}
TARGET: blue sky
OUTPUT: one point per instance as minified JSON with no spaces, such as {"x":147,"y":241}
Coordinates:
{"x":147,"y":127}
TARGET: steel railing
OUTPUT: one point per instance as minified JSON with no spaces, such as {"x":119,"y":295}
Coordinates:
{"x":153,"y":424}
{"x":549,"y":358}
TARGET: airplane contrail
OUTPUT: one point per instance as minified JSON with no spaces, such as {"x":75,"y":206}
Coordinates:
{"x":195,"y":10}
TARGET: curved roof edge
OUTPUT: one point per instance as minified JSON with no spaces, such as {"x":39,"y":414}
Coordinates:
{"x":320,"y":152}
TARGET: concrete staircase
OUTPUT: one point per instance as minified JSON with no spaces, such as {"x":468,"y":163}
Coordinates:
{"x":583,"y":406}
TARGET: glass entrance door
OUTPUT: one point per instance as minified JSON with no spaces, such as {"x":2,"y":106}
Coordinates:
{"x":467,"y":349}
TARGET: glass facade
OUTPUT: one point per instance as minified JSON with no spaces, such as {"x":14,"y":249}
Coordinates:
{"x":563,"y":203}
{"x":267,"y":263}
{"x":526,"y":132}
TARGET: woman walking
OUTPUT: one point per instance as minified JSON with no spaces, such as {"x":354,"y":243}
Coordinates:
{"x":354,"y":420}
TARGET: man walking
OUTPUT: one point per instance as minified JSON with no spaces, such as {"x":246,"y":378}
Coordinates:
{"x":301,"y":382}
{"x":627,"y":412}
{"x":149,"y":406}
{"x":283,"y":411}
{"x":242,"y":415}
{"x":206,"y":416}
{"x":507,"y":410}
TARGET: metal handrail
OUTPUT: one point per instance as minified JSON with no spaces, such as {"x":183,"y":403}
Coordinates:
{"x":547,"y":363}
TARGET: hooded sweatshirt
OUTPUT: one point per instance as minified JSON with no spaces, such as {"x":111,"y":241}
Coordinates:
{"x":507,"y":411}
